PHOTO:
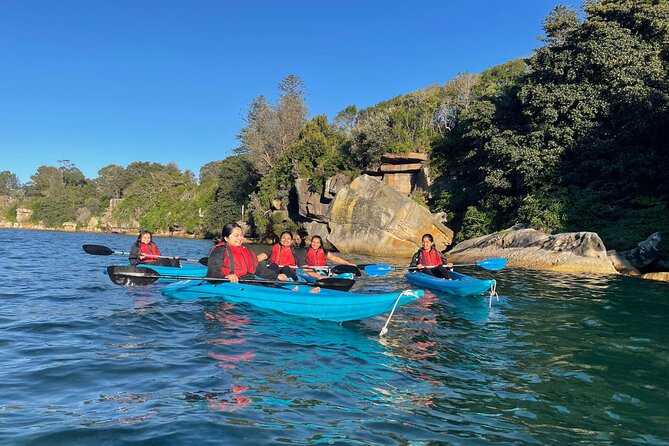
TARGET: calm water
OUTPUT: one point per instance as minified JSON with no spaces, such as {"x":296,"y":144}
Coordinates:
{"x":558,"y":360}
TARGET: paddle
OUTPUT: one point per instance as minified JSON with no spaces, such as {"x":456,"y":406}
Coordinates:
{"x":492,"y":264}
{"x":99,"y":250}
{"x":135,"y":275}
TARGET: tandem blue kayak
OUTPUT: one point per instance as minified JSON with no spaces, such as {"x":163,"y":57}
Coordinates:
{"x":461,"y":285}
{"x":298,"y":300}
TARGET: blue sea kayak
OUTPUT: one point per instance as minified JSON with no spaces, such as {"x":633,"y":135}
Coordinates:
{"x":461,"y":285}
{"x":195,"y":270}
{"x":329,"y":305}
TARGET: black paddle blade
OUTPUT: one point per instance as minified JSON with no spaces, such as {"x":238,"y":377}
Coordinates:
{"x":203,"y":261}
{"x":132,"y":275}
{"x":97,"y":250}
{"x":335,"y":283}
{"x":341,"y":269}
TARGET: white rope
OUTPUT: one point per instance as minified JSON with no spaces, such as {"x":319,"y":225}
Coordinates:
{"x":493,"y":292}
{"x":384,"y":330}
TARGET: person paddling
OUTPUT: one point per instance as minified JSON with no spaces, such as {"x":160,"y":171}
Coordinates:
{"x":232,"y":260}
{"x":144,"y":250}
{"x":430,"y":261}
{"x":285,"y":257}
{"x":317,"y":256}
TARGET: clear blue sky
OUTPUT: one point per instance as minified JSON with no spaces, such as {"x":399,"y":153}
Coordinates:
{"x":111,"y":82}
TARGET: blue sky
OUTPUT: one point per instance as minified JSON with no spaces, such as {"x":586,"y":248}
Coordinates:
{"x":111,"y":82}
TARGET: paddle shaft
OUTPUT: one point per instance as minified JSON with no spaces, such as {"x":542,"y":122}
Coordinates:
{"x":100,"y":250}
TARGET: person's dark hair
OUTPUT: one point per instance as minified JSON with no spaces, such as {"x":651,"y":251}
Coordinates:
{"x":320,"y":239}
{"x":227,"y":230}
{"x":286,"y":232}
{"x":139,"y":237}
{"x":429,"y":237}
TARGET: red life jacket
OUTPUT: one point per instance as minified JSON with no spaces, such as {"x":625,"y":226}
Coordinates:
{"x":238,"y":260}
{"x":316,"y":257}
{"x":430,"y":258}
{"x":282,"y":256}
{"x":149,"y":250}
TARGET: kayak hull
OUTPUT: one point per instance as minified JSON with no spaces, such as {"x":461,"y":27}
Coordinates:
{"x":329,"y":305}
{"x":461,"y":285}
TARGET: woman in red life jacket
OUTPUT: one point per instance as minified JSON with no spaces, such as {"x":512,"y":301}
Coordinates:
{"x":144,"y":250}
{"x":233,"y":261}
{"x":430,"y":261}
{"x":318,"y":256}
{"x":285,"y":257}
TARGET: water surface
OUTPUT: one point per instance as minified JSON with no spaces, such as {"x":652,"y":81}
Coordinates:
{"x":560,"y":359}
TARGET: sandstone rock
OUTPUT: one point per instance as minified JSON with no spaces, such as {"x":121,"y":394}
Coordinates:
{"x":402,"y":158}
{"x":569,"y":252}
{"x":69,"y":226}
{"x":659,"y":276}
{"x":335,"y":184}
{"x":23,"y":215}
{"x":310,"y":204}
{"x":401,"y":182}
{"x":397,"y":168}
{"x":621,"y":264}
{"x":368,"y":217}
{"x":645,"y":253}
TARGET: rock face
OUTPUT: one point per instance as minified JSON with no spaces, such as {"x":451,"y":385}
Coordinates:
{"x":577,"y":252}
{"x":368,"y":217}
{"x":645,"y":253}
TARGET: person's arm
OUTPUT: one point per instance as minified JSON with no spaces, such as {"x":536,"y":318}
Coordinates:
{"x":338,"y":260}
{"x":414,"y":261}
{"x":133,"y":257}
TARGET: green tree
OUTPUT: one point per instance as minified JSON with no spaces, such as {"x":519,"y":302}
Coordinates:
{"x":9,"y":182}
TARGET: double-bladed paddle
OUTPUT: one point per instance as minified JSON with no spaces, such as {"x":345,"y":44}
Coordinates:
{"x":99,"y":250}
{"x":139,"y":275}
{"x":380,"y":269}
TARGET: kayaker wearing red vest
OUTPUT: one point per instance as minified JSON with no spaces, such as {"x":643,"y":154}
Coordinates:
{"x":318,"y":256}
{"x":285,"y":258}
{"x":430,"y":261}
{"x":145,"y":251}
{"x":234,"y":261}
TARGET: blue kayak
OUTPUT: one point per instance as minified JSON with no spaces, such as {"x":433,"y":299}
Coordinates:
{"x":329,"y":305}
{"x":461,"y":285}
{"x":195,"y":270}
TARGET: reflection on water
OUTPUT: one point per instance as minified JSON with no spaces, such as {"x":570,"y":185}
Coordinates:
{"x":559,"y":359}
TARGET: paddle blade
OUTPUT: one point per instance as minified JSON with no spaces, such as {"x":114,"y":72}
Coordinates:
{"x":203,"y":261}
{"x":378,"y":270}
{"x":343,"y":269}
{"x":492,"y":264}
{"x":334,"y":283}
{"x":132,"y":275}
{"x":97,"y":250}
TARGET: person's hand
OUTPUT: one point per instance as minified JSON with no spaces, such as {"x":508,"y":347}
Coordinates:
{"x":232,"y":278}
{"x":449,"y":265}
{"x":420,"y":266}
{"x":141,"y":256}
{"x":282,"y":277}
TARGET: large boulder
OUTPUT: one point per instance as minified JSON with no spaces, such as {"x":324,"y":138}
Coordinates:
{"x":577,"y":252}
{"x":369,"y":217}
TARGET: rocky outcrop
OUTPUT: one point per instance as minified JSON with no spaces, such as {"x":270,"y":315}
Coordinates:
{"x":368,"y":217}
{"x":659,"y":276}
{"x":404,"y":172}
{"x":578,"y":252}
{"x":621,"y":264}
{"x":645,"y":253}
